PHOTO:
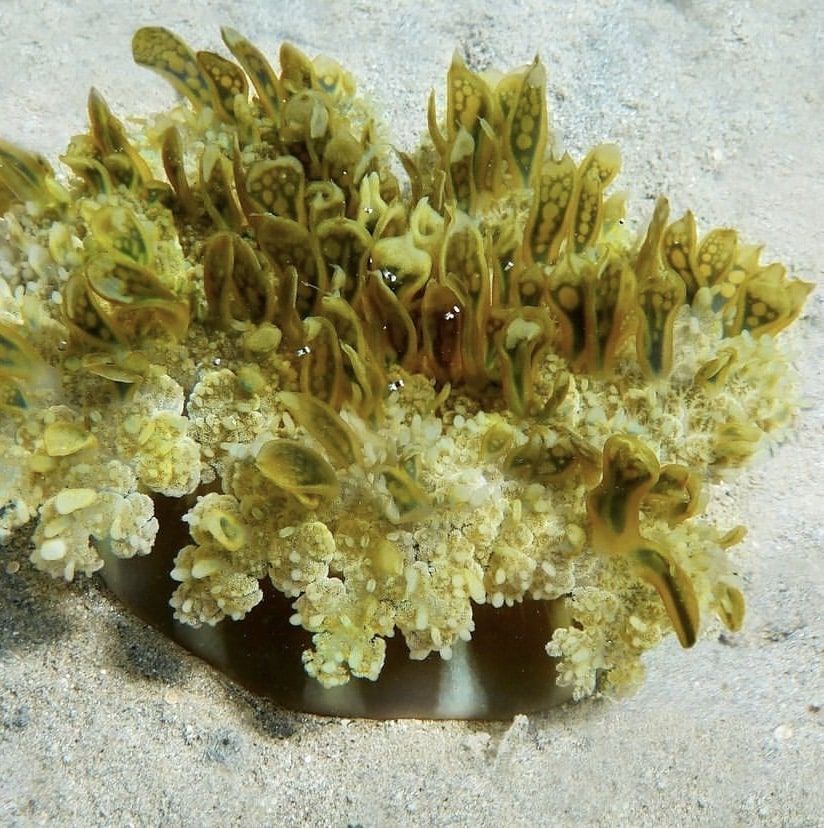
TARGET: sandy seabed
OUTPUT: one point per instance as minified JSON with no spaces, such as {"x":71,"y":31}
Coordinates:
{"x":717,"y":105}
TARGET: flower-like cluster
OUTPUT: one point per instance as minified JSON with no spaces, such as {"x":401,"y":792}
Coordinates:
{"x":392,"y":400}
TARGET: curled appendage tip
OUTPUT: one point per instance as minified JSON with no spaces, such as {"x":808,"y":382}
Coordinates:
{"x":159,"y":49}
{"x":674,"y":588}
{"x":298,"y":471}
{"x":630,"y":470}
{"x":26,"y":177}
{"x":630,"y":473}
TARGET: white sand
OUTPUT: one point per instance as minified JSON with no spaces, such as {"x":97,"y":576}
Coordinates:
{"x":718,"y":105}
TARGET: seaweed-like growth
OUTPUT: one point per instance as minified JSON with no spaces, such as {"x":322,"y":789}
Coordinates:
{"x":392,"y":400}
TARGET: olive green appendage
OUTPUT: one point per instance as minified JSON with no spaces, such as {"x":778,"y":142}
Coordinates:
{"x":630,"y":472}
{"x":164,"y":52}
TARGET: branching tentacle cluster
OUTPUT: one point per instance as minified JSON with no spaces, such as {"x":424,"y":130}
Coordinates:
{"x":474,"y":385}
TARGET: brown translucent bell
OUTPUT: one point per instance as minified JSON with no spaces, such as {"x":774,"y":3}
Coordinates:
{"x":504,"y":670}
